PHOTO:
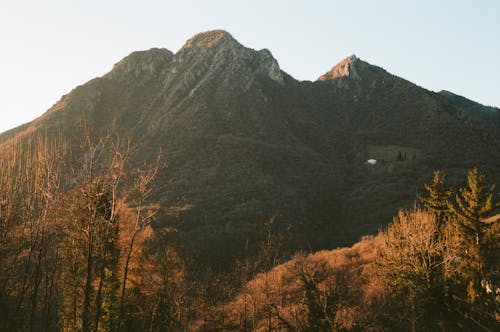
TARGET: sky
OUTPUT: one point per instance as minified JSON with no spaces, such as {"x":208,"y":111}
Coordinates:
{"x":49,"y":47}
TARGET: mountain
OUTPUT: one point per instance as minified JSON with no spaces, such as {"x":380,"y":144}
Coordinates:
{"x":245,"y":141}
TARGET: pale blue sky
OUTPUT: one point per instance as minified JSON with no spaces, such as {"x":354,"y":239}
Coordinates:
{"x":49,"y":47}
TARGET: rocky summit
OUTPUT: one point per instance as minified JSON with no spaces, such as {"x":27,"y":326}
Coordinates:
{"x":245,"y":141}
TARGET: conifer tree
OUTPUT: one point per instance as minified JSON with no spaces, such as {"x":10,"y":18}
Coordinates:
{"x":436,"y":201}
{"x":474,"y":204}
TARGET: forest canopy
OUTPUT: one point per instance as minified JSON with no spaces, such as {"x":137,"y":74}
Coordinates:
{"x":80,"y":251}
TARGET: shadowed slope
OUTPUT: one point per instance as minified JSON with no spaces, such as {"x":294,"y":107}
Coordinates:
{"x":245,"y":141}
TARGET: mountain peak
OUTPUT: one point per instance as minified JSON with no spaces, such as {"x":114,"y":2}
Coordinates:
{"x":345,"y":68}
{"x":218,"y":51}
{"x":446,"y":93}
{"x":209,"y":39}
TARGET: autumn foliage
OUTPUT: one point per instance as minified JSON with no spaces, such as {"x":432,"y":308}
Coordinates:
{"x":81,"y":250}
{"x":427,"y":271}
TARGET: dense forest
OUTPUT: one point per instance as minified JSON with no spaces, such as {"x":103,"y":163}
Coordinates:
{"x":80,"y":250}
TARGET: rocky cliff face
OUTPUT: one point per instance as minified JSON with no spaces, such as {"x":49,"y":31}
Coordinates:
{"x":245,"y":141}
{"x":345,"y":68}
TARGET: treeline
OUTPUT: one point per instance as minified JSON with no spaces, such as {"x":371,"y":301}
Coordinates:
{"x":442,"y":262}
{"x":435,"y":268}
{"x":81,"y":250}
{"x":75,"y":223}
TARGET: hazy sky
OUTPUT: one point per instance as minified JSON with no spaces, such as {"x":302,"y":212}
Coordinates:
{"x":49,"y":47}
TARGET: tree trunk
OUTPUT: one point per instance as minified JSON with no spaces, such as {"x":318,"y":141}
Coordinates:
{"x":98,"y":302}
{"x":125,"y":276}
{"x":88,"y":287}
{"x":36,"y":285}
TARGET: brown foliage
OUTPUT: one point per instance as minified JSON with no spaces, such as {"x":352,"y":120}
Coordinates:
{"x":332,"y":283}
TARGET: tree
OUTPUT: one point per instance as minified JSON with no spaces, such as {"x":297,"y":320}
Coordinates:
{"x":30,"y":174}
{"x":92,"y":233}
{"x":320,"y":300}
{"x":69,"y":230}
{"x":142,"y":217}
{"x":165,"y":280}
{"x":411,"y":263}
{"x":436,"y":200}
{"x":109,"y":277}
{"x":479,"y":238}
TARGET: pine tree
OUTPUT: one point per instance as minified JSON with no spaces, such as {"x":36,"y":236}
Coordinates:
{"x":437,"y":199}
{"x":474,"y":204}
{"x":437,"y":203}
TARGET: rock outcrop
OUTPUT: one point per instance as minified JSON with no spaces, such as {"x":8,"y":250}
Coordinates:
{"x":345,"y":68}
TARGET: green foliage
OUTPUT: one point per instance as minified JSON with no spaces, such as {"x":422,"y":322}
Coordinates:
{"x":479,"y":241}
{"x":450,"y":276}
{"x":474,"y":203}
{"x":437,"y":198}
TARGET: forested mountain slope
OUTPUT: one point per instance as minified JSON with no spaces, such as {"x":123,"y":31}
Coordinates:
{"x":245,"y":141}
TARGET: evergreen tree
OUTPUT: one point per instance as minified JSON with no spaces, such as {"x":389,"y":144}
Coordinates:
{"x":436,"y":202}
{"x":437,"y":198}
{"x":474,"y":204}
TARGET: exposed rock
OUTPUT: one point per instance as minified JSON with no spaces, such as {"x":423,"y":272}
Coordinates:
{"x":218,"y":51}
{"x":140,"y":63}
{"x":209,"y":39}
{"x":267,"y":65}
{"x":345,"y":68}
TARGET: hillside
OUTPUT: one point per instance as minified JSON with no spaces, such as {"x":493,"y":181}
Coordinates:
{"x":381,"y":283}
{"x":245,"y":141}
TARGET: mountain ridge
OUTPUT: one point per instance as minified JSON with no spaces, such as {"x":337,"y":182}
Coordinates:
{"x":245,"y":141}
